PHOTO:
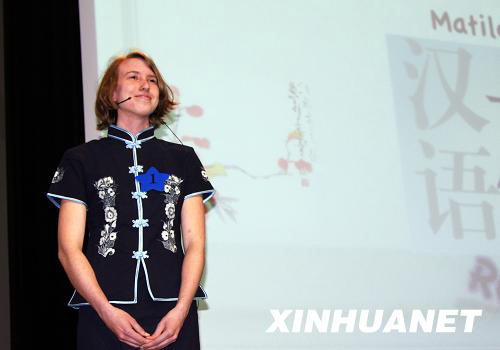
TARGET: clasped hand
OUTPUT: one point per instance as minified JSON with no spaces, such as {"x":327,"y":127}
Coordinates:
{"x":128,"y":331}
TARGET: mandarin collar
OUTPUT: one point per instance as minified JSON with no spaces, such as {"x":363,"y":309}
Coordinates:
{"x":126,"y":136}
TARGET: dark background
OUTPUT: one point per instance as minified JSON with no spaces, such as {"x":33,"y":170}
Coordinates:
{"x":42,"y":116}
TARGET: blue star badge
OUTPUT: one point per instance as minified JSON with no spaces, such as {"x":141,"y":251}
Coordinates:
{"x":152,"y":180}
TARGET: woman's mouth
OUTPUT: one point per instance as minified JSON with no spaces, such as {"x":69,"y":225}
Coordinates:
{"x":144,"y":97}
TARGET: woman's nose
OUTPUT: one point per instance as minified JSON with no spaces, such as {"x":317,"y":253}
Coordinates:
{"x":144,"y":84}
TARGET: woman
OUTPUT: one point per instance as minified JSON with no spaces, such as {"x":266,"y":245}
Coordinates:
{"x":136,"y":283}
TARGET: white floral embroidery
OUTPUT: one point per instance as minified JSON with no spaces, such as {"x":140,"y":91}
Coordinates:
{"x":204,"y":174}
{"x":170,"y":210}
{"x":172,"y":193}
{"x":167,"y":235}
{"x":106,"y":190}
{"x":108,"y":181}
{"x":58,"y":175}
{"x":110,"y":214}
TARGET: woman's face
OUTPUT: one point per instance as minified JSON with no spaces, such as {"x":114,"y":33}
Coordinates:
{"x":138,"y":81}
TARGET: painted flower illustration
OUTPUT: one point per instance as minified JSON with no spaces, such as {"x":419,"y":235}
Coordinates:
{"x":303,"y":166}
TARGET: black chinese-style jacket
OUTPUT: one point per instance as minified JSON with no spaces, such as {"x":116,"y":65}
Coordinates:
{"x":133,"y":188}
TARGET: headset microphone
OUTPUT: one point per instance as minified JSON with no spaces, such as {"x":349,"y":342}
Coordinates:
{"x":174,"y":134}
{"x":128,"y":98}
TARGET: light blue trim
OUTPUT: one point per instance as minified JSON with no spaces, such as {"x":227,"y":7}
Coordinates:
{"x":147,"y":138}
{"x":135,"y":280}
{"x":140,"y":218}
{"x":58,"y":204}
{"x":121,"y":129}
{"x":165,"y":299}
{"x":212,"y":192}
{"x":77,"y":306}
{"x":129,"y":133}
{"x":118,"y":138}
{"x":135,"y":143}
{"x":139,"y":261}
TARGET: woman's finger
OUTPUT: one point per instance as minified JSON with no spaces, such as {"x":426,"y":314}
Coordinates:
{"x":137,"y":327}
{"x":130,"y":335}
{"x":154,"y":344}
{"x":165,"y":343}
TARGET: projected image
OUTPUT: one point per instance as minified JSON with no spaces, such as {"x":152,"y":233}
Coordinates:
{"x":450,"y":164}
{"x":354,"y":146}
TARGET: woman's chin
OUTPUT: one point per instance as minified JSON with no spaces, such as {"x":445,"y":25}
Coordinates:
{"x":140,"y":112}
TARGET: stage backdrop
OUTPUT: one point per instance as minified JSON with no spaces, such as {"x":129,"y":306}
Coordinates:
{"x":355,"y":148}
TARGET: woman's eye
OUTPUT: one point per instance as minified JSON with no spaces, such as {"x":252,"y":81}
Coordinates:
{"x":154,"y":81}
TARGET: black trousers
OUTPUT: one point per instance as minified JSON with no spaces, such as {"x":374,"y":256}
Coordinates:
{"x":93,"y":334}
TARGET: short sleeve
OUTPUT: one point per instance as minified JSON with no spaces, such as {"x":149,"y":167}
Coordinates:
{"x":68,"y":182}
{"x":196,"y":181}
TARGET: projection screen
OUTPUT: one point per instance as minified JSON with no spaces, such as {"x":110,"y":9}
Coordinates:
{"x":355,"y":150}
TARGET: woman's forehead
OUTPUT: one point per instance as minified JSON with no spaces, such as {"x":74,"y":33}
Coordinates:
{"x":134,"y":65}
